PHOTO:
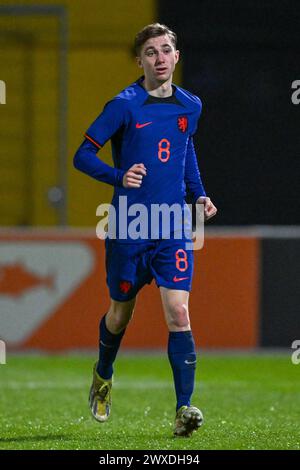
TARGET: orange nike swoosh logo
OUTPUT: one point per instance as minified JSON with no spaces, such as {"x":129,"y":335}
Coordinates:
{"x":176,"y":279}
{"x":139,"y":126}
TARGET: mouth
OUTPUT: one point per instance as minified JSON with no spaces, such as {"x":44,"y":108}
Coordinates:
{"x":161,"y":70}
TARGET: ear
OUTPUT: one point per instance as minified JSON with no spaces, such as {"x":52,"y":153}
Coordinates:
{"x":139,"y":62}
{"x":177,"y":56}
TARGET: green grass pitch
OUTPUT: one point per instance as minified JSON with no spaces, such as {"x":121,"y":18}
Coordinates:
{"x":249,"y":401}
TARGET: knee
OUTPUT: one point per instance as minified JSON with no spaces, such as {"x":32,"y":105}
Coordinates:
{"x":119,"y":318}
{"x":178,"y":317}
{"x":116,"y":325}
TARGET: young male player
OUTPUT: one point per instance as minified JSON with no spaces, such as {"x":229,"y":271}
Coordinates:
{"x":151,"y":125}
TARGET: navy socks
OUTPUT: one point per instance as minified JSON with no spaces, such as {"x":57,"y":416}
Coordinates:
{"x":108,"y":348}
{"x":182,"y":357}
{"x":181,"y":352}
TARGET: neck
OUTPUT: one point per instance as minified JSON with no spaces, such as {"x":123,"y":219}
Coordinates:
{"x":158,"y":89}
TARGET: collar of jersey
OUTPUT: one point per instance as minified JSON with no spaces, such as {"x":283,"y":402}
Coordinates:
{"x":139,"y":82}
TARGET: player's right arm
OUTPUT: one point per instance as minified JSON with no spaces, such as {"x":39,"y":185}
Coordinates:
{"x":86,"y":160}
{"x":112,"y":118}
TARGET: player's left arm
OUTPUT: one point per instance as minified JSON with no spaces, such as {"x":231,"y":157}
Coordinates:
{"x":194,"y":183}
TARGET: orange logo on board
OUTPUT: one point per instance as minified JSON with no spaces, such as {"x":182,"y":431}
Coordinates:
{"x":15,"y":280}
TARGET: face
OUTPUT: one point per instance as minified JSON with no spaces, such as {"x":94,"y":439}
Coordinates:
{"x":158,"y":58}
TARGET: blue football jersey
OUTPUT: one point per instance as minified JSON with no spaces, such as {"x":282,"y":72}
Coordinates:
{"x":157,"y":132}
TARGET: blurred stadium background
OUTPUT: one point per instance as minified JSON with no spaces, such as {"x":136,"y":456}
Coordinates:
{"x":61,"y":61}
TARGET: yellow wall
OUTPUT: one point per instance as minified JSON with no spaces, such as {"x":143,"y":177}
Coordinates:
{"x":100,"y":64}
{"x":28,"y":135}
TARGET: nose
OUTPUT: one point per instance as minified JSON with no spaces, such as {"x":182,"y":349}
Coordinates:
{"x":160,"y":57}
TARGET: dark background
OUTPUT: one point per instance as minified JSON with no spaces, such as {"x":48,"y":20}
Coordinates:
{"x":240,"y":58}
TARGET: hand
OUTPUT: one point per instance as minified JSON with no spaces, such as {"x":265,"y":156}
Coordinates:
{"x":209,"y":208}
{"x":134,"y":176}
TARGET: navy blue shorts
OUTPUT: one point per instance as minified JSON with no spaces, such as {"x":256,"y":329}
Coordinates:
{"x":129,"y":266}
